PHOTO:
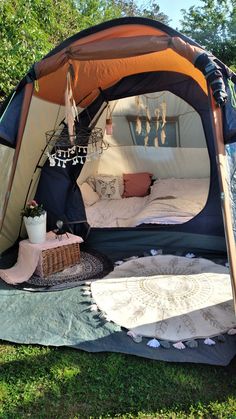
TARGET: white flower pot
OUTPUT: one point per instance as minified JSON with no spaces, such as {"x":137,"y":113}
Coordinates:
{"x":36,"y":228}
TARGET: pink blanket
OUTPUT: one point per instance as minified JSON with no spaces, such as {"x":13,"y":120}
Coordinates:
{"x":29,"y":254}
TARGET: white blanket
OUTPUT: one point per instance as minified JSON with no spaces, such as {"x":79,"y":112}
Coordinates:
{"x":171,"y":201}
{"x":163,"y":211}
{"x":105,"y":212}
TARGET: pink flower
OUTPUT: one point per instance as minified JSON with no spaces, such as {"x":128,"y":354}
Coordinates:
{"x":32,"y":204}
{"x":32,"y":209}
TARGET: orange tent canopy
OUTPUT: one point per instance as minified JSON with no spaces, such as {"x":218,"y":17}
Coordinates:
{"x":100,"y":60}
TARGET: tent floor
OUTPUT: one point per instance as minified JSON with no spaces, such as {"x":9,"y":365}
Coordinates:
{"x":64,"y":318}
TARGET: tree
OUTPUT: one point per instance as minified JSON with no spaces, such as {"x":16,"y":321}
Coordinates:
{"x":149,"y":10}
{"x":29,"y":29}
{"x":213,"y":26}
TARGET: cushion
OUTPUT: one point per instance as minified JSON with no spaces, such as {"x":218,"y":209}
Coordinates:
{"x":88,"y":194}
{"x":107,"y":187}
{"x":91,"y":181}
{"x":162,"y":188}
{"x":136,"y":184}
{"x":192,"y":189}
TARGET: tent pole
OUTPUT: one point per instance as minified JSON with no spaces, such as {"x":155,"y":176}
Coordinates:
{"x":225,"y":198}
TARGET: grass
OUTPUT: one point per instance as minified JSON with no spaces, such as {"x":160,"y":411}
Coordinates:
{"x":63,"y":383}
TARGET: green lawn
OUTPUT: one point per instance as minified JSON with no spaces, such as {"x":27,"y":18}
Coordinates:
{"x":55,"y":383}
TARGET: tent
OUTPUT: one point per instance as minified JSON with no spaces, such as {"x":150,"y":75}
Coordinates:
{"x":98,"y":68}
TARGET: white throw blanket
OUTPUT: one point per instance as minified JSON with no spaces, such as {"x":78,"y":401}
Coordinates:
{"x":163,"y":211}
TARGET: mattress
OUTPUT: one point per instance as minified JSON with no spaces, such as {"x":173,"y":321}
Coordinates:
{"x":171,"y":201}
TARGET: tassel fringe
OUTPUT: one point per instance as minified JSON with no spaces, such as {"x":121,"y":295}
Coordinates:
{"x":153,"y":343}
{"x":232,"y":332}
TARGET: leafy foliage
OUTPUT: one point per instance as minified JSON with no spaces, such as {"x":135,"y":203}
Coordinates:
{"x":32,"y":209}
{"x":29,"y":29}
{"x":213,"y":26}
{"x":22,"y":41}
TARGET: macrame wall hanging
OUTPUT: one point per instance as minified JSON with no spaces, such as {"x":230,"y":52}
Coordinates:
{"x":69,"y":143}
{"x":146,"y":106}
{"x":110,"y":109}
{"x":108,"y":127}
{"x":71,"y":113}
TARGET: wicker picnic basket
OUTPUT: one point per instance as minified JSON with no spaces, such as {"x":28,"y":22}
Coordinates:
{"x":57,"y":259}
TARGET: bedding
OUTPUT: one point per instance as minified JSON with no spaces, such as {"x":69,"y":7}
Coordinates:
{"x":105,"y":212}
{"x":163,"y":211}
{"x":191,"y":189}
{"x":171,"y":201}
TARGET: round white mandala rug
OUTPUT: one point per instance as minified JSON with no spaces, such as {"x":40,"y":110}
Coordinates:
{"x":168,"y":297}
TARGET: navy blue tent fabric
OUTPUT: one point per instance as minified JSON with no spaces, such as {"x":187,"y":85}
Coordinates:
{"x":62,"y":199}
{"x":10,"y":119}
{"x":61,"y":196}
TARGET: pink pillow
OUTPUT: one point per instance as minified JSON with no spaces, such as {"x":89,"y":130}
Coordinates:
{"x":136,"y":184}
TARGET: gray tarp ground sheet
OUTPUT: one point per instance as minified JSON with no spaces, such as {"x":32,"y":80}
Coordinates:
{"x":64,"y":318}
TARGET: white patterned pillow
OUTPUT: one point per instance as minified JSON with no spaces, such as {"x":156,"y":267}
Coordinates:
{"x":107,"y":187}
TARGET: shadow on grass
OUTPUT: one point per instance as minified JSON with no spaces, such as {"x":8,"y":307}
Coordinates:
{"x":63,"y":383}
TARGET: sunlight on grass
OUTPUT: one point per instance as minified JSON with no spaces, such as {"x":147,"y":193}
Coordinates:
{"x":62,"y":383}
{"x":65,"y":373}
{"x":9,"y":352}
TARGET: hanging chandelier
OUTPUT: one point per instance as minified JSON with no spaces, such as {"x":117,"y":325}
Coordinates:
{"x":85,"y":145}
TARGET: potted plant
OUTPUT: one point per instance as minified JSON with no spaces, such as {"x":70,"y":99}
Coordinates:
{"x":34,"y":217}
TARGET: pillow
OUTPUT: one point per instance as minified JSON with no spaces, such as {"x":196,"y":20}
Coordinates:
{"x":88,"y":194}
{"x":107,"y":187}
{"x":185,"y":188}
{"x":136,"y":184}
{"x":91,"y":181}
{"x":163,"y":188}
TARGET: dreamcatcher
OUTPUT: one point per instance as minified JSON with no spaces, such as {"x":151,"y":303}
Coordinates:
{"x":159,"y":118}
